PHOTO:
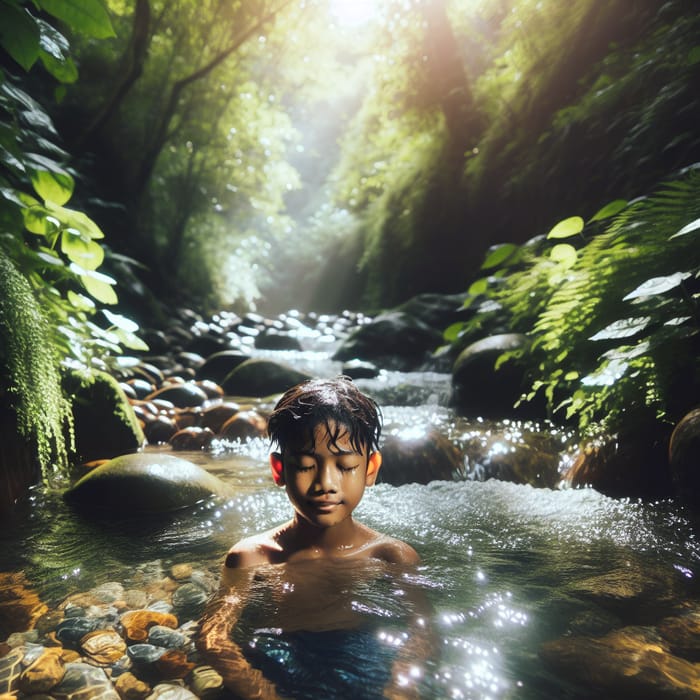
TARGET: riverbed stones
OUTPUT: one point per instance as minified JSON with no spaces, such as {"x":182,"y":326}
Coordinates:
{"x":244,"y":425}
{"x":137,"y":623}
{"x":171,"y":691}
{"x":206,"y":682}
{"x":84,"y":682}
{"x":104,"y":647}
{"x":219,"y":365}
{"x":259,"y":378}
{"x":10,"y":670}
{"x":145,"y":483}
{"x":20,"y":605}
{"x":130,"y":687}
{"x":144,"y":653}
{"x":44,"y":673}
{"x":180,"y":395}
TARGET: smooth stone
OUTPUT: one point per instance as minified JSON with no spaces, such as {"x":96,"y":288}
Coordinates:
{"x":108,"y":592}
{"x":171,"y":691}
{"x":161,"y":606}
{"x":85,"y":682}
{"x":206,"y":682}
{"x":135,"y":598}
{"x":73,"y":629}
{"x":136,"y":623}
{"x":145,"y":653}
{"x":217,"y":366}
{"x":192,"y":438}
{"x":181,"y":572}
{"x":260,"y":378}
{"x":180,"y":395}
{"x":142,"y":483}
{"x":166,"y":637}
{"x":189,"y":600}
{"x":174,"y":664}
{"x":214,"y":415}
{"x":105,"y":647}
{"x":359,"y":369}
{"x":130,"y":687}
{"x":245,"y":425}
{"x":10,"y":670}
{"x":43,"y":674}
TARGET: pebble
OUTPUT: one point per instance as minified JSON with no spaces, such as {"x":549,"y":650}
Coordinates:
{"x":136,"y":623}
{"x":145,"y":653}
{"x":44,"y":673}
{"x":171,"y":691}
{"x":189,"y":599}
{"x":86,"y":681}
{"x":104,"y":647}
{"x":166,"y":637}
{"x":73,"y":629}
{"x":131,"y":688}
{"x":181,"y":571}
{"x":206,"y":682}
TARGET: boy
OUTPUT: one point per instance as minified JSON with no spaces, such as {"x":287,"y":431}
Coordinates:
{"x":327,"y":433}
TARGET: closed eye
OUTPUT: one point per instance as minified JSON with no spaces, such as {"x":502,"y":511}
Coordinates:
{"x":344,"y":468}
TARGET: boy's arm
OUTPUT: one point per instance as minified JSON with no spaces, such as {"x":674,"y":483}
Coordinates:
{"x":215,"y":640}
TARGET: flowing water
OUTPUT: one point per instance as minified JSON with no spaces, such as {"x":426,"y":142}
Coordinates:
{"x":505,"y":567}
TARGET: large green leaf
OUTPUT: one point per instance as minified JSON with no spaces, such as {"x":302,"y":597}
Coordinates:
{"x":624,"y":328}
{"x":76,"y":219}
{"x":614,"y":207}
{"x":567,"y":228}
{"x":87,"y":16}
{"x":82,"y":250}
{"x":98,"y":285}
{"x":19,"y":34}
{"x":56,"y":186}
{"x":54,"y":54}
{"x":657,"y":285}
{"x":499,"y":254}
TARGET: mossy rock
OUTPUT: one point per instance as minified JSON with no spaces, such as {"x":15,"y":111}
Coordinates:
{"x":104,"y":422}
{"x":144,"y":483}
{"x":260,"y":378}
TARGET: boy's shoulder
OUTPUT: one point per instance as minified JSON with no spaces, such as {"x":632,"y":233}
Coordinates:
{"x":393,"y":551}
{"x":263,"y":548}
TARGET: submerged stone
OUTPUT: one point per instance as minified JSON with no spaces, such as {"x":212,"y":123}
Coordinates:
{"x":43,"y":673}
{"x":141,"y":483}
{"x":84,"y":682}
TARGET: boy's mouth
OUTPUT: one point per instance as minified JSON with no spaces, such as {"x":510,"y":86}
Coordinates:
{"x":323,"y":505}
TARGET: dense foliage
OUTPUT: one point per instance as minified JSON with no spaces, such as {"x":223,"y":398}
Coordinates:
{"x":612,"y":313}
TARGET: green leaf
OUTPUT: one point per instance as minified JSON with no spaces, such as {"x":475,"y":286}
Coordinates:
{"x":479,"y":287}
{"x":567,"y":228}
{"x":694,"y":56}
{"x":564,"y":254}
{"x":657,"y":285}
{"x":87,"y":16}
{"x":83,"y":251}
{"x":80,"y":301}
{"x":499,"y":254}
{"x":19,"y":35}
{"x":129,"y":340}
{"x":624,"y":328}
{"x":122,"y":322}
{"x":571,"y":376}
{"x":609,"y":210}
{"x":38,"y":220}
{"x":54,"y":54}
{"x":692,"y":226}
{"x":452,"y":332}
{"x":55,"y":186}
{"x":99,"y":290}
{"x":76,"y":219}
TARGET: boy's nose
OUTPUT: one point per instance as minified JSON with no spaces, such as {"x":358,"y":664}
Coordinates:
{"x":325,"y":478}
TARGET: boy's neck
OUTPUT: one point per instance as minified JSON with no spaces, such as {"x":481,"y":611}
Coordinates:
{"x":331,"y":540}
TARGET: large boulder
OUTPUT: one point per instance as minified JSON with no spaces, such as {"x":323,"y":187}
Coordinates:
{"x":395,"y":340}
{"x":219,"y":365}
{"x":259,"y":378}
{"x":481,"y":390}
{"x":105,"y":424}
{"x":419,"y":459}
{"x":436,"y":310}
{"x":144,"y":483}
{"x":684,"y":458}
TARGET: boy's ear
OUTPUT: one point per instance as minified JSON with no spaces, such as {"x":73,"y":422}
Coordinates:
{"x":374,"y":462}
{"x":277,"y":468}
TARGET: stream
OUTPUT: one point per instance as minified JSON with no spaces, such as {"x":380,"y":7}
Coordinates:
{"x":509,"y":570}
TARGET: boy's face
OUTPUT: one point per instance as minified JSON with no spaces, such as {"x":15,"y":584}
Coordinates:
{"x":325,"y":481}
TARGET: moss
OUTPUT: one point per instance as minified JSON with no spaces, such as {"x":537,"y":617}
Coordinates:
{"x":30,"y":382}
{"x":105,"y":423}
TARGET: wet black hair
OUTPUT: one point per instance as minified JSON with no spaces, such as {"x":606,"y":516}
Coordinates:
{"x":334,"y":403}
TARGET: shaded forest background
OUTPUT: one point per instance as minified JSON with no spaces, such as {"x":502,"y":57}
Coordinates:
{"x":260,"y":153}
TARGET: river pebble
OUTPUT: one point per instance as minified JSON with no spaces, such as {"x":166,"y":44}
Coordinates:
{"x":165,"y":637}
{"x":145,"y":653}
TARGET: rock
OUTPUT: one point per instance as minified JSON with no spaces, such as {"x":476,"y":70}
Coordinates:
{"x":174,"y":664}
{"x":394,"y":339}
{"x":244,"y":426}
{"x":479,"y":389}
{"x":193,"y":438}
{"x":104,"y":647}
{"x":141,"y":483}
{"x":137,"y":623}
{"x":171,"y":691}
{"x":73,"y":629}
{"x":180,"y":572}
{"x":210,"y":388}
{"x":215,"y":413}
{"x":184,"y":395}
{"x":206,"y":682}
{"x":261,"y":378}
{"x":141,"y":387}
{"x":684,"y":458}
{"x":421,"y":459}
{"x":145,"y":654}
{"x":272,"y":339}
{"x":10,"y":670}
{"x":167,"y":638}
{"x":20,"y":606}
{"x":219,"y":365}
{"x":84,"y":682}
{"x":632,"y":662}
{"x":105,"y":423}
{"x":358,"y":369}
{"x":131,"y":688}
{"x":44,"y":673}
{"x":436,"y":310}
{"x":159,"y":429}
{"x":189,"y":600}
{"x":682,"y":634}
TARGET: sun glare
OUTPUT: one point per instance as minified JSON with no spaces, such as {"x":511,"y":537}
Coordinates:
{"x":353,"y":13}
